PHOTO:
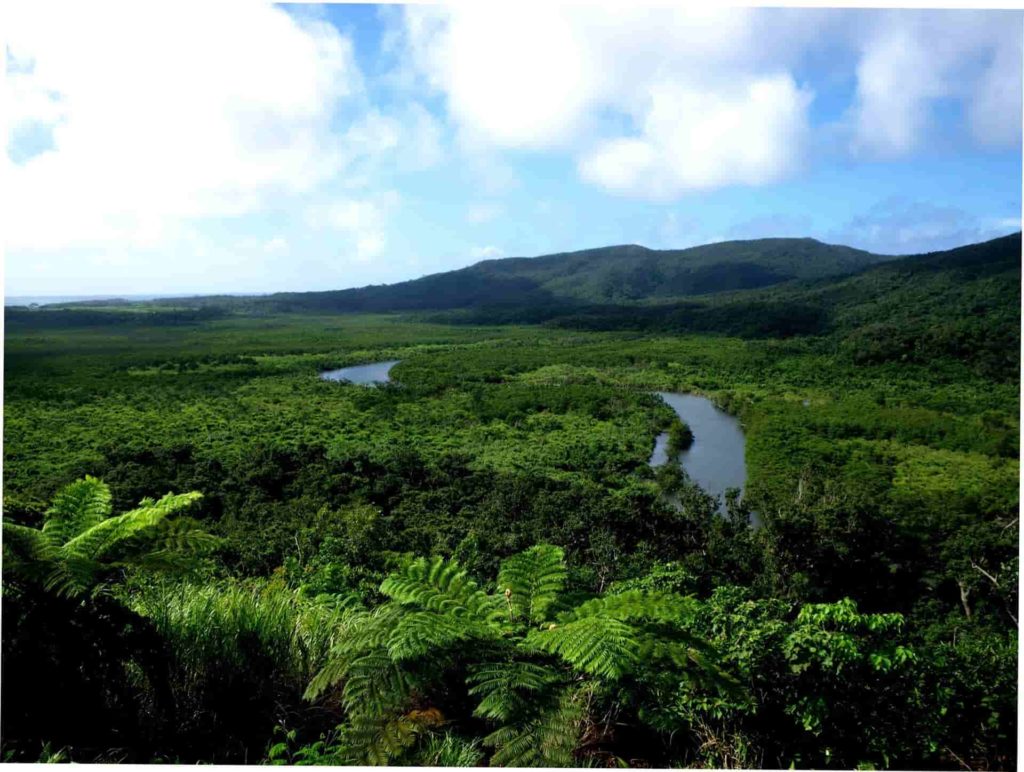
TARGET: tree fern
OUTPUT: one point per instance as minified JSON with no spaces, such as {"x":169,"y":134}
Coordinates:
{"x":545,"y":736}
{"x":598,"y":645}
{"x":532,"y":581}
{"x":77,"y":508}
{"x":507,"y":688}
{"x":533,"y":675}
{"x":79,"y":544}
{"x":443,"y":586}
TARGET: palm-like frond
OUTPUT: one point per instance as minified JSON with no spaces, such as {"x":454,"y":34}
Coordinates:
{"x":532,"y":581}
{"x":80,"y":544}
{"x":545,"y":737}
{"x":99,"y":540}
{"x":634,"y":605}
{"x":506,"y":688}
{"x":27,"y":552}
{"x":77,"y":508}
{"x":536,"y":680}
{"x":597,"y":645}
{"x":443,"y":586}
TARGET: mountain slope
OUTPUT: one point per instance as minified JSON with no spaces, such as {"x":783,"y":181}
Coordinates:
{"x":962,"y":304}
{"x":620,"y":274}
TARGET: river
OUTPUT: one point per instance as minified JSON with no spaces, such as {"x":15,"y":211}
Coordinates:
{"x":364,"y":375}
{"x":715,"y":461}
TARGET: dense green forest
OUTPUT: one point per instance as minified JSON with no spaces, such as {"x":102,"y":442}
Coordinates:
{"x":211,"y":554}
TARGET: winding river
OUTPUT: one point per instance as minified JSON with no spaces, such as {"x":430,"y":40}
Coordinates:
{"x":715,"y":461}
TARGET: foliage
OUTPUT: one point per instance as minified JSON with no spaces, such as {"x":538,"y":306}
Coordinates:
{"x":537,"y":673}
{"x":881,"y":413}
{"x":80,"y":545}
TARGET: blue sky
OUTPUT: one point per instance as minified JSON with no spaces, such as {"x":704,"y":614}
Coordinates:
{"x":232,"y":148}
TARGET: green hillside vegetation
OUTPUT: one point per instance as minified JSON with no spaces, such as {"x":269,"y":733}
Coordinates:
{"x":476,"y":565}
{"x":605,"y":275}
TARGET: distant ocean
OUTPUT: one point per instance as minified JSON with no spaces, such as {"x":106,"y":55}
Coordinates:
{"x":27,"y":300}
{"x":41,"y":300}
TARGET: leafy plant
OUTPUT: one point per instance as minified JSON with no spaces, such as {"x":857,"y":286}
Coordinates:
{"x":536,"y":664}
{"x":81,"y":546}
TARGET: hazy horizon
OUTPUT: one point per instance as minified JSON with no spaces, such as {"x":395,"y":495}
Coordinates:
{"x":43,"y":298}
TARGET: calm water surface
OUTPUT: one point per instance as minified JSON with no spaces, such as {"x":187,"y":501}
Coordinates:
{"x":365,"y":375}
{"x":717,"y":458}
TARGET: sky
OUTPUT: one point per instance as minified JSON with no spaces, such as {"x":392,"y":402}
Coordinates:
{"x":242,"y":147}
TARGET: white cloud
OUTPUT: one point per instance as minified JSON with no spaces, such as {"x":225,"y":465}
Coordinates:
{"x":412,"y":137}
{"x":364,"y":221}
{"x":693,"y":139}
{"x":484,"y":212}
{"x":486,"y":253}
{"x":515,"y":77}
{"x":639,"y":90}
{"x":898,"y":225}
{"x":911,"y":60}
{"x":164,"y":114}
{"x":684,"y":77}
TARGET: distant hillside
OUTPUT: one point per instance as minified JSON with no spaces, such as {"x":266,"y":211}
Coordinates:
{"x":621,"y":274}
{"x":962,"y":304}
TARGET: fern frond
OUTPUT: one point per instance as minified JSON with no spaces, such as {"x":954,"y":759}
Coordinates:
{"x":532,"y":580}
{"x":97,"y":540}
{"x":635,"y":605}
{"x":443,"y":586}
{"x":27,"y":552}
{"x":501,"y":686}
{"x":375,"y":686}
{"x":361,"y":632}
{"x":76,"y":508}
{"x":598,"y":645}
{"x":421,"y":632}
{"x":545,"y":737}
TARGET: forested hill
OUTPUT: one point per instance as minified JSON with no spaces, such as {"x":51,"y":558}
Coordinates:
{"x":963,"y":303}
{"x":605,"y":275}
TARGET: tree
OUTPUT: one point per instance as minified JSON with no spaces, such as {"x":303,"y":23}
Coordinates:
{"x":534,"y":663}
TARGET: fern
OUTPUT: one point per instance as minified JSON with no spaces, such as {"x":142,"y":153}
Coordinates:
{"x":534,"y":678}
{"x":532,"y":581}
{"x":77,"y":508}
{"x":597,"y":645}
{"x":635,"y":605}
{"x":443,"y":586}
{"x":79,"y":544}
{"x":506,"y":688}
{"x":544,"y":737}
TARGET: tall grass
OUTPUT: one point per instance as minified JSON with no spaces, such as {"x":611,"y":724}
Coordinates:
{"x":241,"y":656}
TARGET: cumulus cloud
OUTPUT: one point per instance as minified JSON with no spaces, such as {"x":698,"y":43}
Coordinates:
{"x":518,"y":78}
{"x":158,"y":114}
{"x":655,"y":102}
{"x":703,"y":89}
{"x":694,"y":139}
{"x":363,"y":221}
{"x":900,"y":226}
{"x":910,"y":60}
{"x":486,"y":253}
